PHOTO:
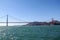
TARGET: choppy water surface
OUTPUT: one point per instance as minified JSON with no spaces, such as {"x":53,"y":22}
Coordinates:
{"x":30,"y":33}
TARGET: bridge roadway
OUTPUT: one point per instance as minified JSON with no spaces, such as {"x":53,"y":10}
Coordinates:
{"x":15,"y":22}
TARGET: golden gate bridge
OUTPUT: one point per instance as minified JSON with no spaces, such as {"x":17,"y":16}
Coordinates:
{"x":7,"y":20}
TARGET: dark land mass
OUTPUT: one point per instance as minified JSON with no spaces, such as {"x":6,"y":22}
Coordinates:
{"x":54,"y":22}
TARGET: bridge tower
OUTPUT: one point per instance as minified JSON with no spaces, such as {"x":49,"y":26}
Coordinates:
{"x":6,"y":20}
{"x":53,"y":21}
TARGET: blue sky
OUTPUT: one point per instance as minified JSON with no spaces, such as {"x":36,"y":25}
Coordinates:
{"x":31,"y":10}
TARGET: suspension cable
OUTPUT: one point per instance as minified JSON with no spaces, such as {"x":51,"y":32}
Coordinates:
{"x":15,"y":18}
{"x":3,"y":16}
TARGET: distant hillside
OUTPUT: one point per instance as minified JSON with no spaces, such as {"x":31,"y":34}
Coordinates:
{"x":45,"y":23}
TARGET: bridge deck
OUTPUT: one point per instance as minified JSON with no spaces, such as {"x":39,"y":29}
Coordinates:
{"x":16,"y":22}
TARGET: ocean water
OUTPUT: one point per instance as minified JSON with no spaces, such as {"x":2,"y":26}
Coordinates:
{"x":30,"y":32}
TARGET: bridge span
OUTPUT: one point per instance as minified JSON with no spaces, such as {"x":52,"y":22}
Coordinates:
{"x":16,"y":22}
